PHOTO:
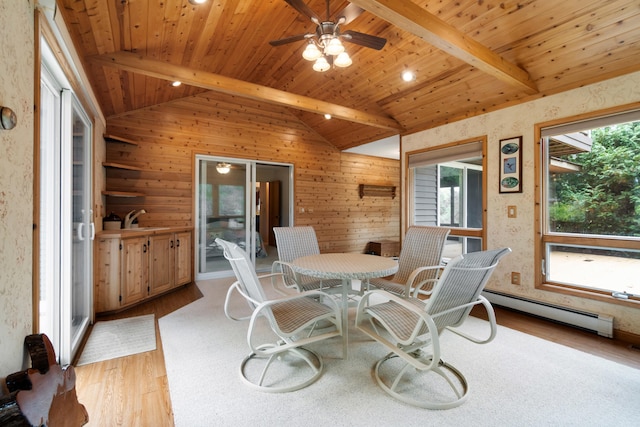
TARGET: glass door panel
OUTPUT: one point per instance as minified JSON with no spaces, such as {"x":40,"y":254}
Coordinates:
{"x":224,"y":211}
{"x":78,"y":302}
{"x":66,"y":231}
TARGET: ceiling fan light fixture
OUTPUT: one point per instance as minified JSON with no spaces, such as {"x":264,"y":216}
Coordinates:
{"x":343,"y":60}
{"x":311,"y":52}
{"x":223,"y":168}
{"x":321,"y":65}
{"x":334,"y":47}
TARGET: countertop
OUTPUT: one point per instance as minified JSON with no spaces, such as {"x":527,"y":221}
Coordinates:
{"x":131,"y":232}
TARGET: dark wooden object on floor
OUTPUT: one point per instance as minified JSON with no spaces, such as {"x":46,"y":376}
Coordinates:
{"x":44,"y":395}
{"x":385,"y":248}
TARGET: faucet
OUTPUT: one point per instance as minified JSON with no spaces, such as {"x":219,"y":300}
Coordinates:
{"x":131,"y":216}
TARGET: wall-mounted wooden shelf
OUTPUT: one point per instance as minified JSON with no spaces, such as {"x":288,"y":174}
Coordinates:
{"x":122,"y":193}
{"x":377,"y":190}
{"x":114,"y":138}
{"x":120,"y":166}
{"x":115,"y":165}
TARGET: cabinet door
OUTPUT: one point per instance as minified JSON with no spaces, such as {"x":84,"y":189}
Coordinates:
{"x":183,"y":257}
{"x":135,"y":269}
{"x":107,"y":275}
{"x":161,"y":271}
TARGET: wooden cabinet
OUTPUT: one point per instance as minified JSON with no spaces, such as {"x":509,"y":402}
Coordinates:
{"x":162,"y":262}
{"x":134,"y":269}
{"x":132,"y":266}
{"x":108,"y":275}
{"x":183,"y":258}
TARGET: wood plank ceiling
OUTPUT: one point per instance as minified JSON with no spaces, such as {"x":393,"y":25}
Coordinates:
{"x":469,"y":56}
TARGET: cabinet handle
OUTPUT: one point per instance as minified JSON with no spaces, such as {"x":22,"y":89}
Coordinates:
{"x":171,"y":245}
{"x":144,"y":248}
{"x":178,"y":243}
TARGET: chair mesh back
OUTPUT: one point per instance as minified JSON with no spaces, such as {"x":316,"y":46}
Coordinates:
{"x":461,"y":283}
{"x":422,"y":246}
{"x":243,"y":269}
{"x":295,"y":242}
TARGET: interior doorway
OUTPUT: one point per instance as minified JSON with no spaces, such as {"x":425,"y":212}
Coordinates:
{"x":239,"y":201}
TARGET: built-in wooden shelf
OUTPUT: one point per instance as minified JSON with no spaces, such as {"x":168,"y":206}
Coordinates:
{"x":114,"y":138}
{"x":377,"y":190}
{"x":122,"y":193}
{"x":120,"y":166}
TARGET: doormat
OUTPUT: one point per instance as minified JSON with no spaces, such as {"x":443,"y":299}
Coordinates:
{"x":118,"y":338}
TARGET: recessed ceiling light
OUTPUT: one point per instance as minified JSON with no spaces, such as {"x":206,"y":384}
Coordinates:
{"x":327,"y":116}
{"x":197,"y":1}
{"x":408,"y":76}
{"x":176,"y":83}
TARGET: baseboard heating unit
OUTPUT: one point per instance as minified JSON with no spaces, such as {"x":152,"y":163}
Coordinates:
{"x":601,"y":324}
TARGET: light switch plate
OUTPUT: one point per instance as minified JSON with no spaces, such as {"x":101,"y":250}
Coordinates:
{"x":512,"y":211}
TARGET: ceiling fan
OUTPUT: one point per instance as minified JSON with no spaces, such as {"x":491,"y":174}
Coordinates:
{"x":325,"y":44}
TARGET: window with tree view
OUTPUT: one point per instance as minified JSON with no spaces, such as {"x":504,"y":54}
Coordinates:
{"x":592,"y":206}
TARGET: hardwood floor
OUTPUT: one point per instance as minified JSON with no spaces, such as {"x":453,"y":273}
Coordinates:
{"x":133,"y":390}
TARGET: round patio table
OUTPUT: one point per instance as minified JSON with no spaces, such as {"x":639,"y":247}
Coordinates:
{"x":345,"y":266}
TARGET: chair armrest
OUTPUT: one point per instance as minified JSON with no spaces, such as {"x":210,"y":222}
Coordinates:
{"x":425,"y":319}
{"x":236,"y":286}
{"x":287,"y":271}
{"x":414,"y":289}
{"x":492,"y":323}
{"x":227,"y":311}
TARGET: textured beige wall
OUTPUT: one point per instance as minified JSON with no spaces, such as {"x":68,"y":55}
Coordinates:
{"x":519,"y":233}
{"x":16,"y":181}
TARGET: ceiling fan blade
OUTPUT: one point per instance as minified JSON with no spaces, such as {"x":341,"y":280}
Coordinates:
{"x":286,"y":40}
{"x":303,"y":9}
{"x":365,"y":40}
{"x":350,"y":12}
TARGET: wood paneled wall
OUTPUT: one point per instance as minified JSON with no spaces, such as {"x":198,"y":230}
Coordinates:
{"x":325,"y":182}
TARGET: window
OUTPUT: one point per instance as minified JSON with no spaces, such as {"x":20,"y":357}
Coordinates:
{"x":591,"y":207}
{"x":447,"y":190}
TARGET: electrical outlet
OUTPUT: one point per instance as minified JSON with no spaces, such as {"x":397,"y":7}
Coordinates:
{"x":515,"y":278}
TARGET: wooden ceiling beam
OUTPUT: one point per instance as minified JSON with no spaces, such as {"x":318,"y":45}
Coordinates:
{"x":162,"y":70}
{"x":419,"y":22}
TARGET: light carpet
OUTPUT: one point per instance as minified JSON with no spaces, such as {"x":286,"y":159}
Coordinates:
{"x":117,"y":338}
{"x":517,"y":379}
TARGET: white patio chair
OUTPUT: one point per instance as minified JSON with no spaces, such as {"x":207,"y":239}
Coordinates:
{"x":296,"y":242}
{"x":419,"y":264}
{"x":411,"y":329}
{"x":277,"y":357}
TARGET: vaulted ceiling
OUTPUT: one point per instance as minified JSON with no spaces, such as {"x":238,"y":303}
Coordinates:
{"x":469,"y":56}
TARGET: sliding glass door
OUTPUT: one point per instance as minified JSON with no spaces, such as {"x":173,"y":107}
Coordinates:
{"x":239,"y":201}
{"x":66,"y":231}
